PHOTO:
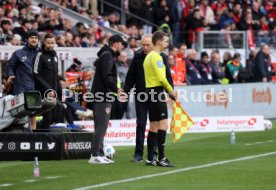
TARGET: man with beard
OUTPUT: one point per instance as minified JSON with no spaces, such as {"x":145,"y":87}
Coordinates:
{"x":19,"y":71}
{"x":47,"y":80}
{"x":103,"y":89}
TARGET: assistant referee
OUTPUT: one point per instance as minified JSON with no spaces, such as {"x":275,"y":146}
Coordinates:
{"x":156,"y":85}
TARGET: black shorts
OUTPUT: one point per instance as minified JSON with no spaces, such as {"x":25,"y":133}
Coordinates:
{"x":157,"y":104}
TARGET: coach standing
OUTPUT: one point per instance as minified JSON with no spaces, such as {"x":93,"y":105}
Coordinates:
{"x":103,"y":89}
{"x":135,"y":78}
{"x":20,"y":68}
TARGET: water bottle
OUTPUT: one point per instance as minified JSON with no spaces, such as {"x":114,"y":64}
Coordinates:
{"x":233,"y":137}
{"x":36,"y":167}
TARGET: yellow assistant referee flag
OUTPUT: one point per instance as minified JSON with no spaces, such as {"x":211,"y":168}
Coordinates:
{"x":180,"y":122}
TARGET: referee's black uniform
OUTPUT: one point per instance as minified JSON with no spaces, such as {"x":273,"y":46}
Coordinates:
{"x":135,"y":78}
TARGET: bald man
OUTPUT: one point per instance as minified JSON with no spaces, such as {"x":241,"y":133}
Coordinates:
{"x":135,"y":77}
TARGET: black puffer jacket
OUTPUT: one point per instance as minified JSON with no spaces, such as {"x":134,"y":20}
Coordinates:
{"x":46,"y":71}
{"x":105,"y":79}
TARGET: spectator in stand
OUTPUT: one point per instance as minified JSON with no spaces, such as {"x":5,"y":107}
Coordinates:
{"x":249,"y":25}
{"x":77,"y":41}
{"x":7,"y":27}
{"x":193,"y":76}
{"x":61,"y":41}
{"x":207,"y":13}
{"x":263,"y":33}
{"x":16,"y":40}
{"x":233,"y":68}
{"x":130,"y":50}
{"x":173,"y":67}
{"x":186,"y":14}
{"x":173,"y":50}
{"x":205,"y":69}
{"x":217,"y":71}
{"x":226,"y":18}
{"x":147,"y":14}
{"x":237,"y":12}
{"x":226,"y":58}
{"x":76,"y":66}
{"x":180,"y":55}
{"x":23,"y":29}
{"x":218,"y":7}
{"x":69,"y":39}
{"x":256,"y":13}
{"x":79,"y":29}
{"x":263,"y":68}
{"x":174,"y":21}
{"x":196,"y":24}
{"x":226,"y":40}
{"x":161,"y":12}
{"x":250,"y":65}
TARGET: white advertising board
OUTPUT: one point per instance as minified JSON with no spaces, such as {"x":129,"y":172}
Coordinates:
{"x":122,"y":132}
{"x":229,"y":100}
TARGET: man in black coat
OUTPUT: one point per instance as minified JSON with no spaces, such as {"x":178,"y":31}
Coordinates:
{"x":103,"y":89}
{"x":263,"y":67}
{"x":135,"y":78}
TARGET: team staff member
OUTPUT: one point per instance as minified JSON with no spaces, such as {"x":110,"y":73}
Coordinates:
{"x":104,"y":84}
{"x":47,"y":80}
{"x":135,"y":78}
{"x":156,"y":83}
{"x":20,"y":68}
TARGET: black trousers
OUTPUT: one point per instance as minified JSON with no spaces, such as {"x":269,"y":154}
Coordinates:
{"x":102,"y":113}
{"x":56,"y":115}
{"x":142,"y":115}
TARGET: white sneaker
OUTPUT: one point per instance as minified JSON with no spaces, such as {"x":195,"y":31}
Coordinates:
{"x":108,"y":160}
{"x":97,"y":160}
{"x":87,"y":113}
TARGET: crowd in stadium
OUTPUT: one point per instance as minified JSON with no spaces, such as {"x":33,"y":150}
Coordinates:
{"x":256,"y":17}
{"x":183,"y":18}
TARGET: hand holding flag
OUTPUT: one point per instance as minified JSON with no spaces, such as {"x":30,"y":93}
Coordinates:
{"x":180,"y":122}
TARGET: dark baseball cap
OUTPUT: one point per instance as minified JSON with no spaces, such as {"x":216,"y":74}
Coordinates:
{"x":117,"y":38}
{"x":32,"y":33}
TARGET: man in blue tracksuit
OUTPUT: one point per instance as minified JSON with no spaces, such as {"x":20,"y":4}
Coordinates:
{"x":19,"y":71}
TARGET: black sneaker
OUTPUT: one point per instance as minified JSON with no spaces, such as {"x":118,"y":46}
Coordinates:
{"x":165,"y":163}
{"x":137,"y":158}
{"x":151,"y":163}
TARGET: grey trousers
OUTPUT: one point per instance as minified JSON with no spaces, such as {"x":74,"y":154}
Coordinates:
{"x":101,"y":118}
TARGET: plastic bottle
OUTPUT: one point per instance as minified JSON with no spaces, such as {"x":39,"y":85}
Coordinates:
{"x":233,"y":137}
{"x":36,"y":167}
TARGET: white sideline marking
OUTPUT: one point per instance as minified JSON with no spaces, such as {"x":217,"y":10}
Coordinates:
{"x":53,"y":177}
{"x":175,"y":171}
{"x":256,"y":143}
{"x":30,"y":180}
{"x":6,"y":185}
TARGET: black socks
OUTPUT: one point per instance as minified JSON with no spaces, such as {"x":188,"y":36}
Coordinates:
{"x":151,"y":142}
{"x":161,"y":138}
